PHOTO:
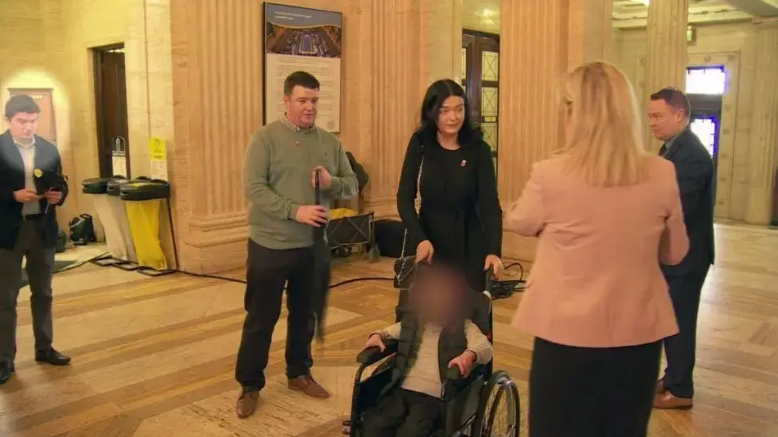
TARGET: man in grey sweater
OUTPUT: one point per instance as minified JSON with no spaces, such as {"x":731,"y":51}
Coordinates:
{"x":279,"y":178}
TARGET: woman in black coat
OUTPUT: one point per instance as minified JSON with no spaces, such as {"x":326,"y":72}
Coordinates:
{"x":460,"y":219}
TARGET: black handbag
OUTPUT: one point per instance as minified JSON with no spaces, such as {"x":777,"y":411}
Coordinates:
{"x":405,"y":265}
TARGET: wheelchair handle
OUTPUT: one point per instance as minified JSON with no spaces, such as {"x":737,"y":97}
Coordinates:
{"x":489,"y":279}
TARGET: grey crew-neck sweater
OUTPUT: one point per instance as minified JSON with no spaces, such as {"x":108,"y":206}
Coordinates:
{"x":277,"y":180}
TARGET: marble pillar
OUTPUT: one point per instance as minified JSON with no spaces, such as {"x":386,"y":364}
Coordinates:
{"x":407,"y":45}
{"x":763,"y":150}
{"x":666,"y":51}
{"x":540,"y":41}
{"x":591,"y":18}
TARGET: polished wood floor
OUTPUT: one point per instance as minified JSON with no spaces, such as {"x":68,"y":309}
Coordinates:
{"x":154,"y":357}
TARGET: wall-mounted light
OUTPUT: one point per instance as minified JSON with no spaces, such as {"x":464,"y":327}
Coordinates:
{"x":645,"y":2}
{"x":487,"y":16}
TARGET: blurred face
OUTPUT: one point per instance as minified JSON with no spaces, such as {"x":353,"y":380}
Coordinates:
{"x":437,"y":297}
{"x":451,"y":115}
{"x":22,"y":125}
{"x":301,"y":106}
{"x":664,"y":120}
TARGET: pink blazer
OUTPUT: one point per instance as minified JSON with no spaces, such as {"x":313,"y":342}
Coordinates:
{"x":596,"y":280}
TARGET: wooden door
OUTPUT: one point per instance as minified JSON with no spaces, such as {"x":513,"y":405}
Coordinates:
{"x":481,"y":79}
{"x":111,"y":111}
{"x":47,"y":126}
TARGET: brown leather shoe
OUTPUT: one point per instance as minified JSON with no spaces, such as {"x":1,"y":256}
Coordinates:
{"x":668,"y":401}
{"x":660,"y":387}
{"x":247,"y":403}
{"x":307,"y":385}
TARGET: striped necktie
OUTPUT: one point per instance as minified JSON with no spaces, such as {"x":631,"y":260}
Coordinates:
{"x":663,"y":150}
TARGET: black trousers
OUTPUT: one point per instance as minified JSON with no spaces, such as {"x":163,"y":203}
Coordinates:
{"x":40,"y":268}
{"x":592,"y":392}
{"x":680,"y":349}
{"x":402,"y":413}
{"x":268,"y":272}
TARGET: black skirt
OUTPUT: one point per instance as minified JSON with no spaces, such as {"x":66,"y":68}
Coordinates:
{"x":592,"y":392}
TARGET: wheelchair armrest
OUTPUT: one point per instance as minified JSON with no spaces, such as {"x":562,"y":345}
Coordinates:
{"x":454,"y":373}
{"x":373,"y":355}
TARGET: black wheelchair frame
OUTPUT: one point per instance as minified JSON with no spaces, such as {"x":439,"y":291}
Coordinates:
{"x":469,"y":405}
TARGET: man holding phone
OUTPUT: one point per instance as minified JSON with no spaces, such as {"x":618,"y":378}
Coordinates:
{"x":28,"y":229}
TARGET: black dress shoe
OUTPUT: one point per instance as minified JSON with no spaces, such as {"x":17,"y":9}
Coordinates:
{"x":6,"y":370}
{"x":52,"y":357}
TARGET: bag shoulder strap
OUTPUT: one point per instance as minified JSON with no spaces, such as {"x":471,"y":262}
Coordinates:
{"x":401,"y":271}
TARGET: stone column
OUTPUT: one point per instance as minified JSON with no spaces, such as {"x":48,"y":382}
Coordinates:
{"x":763,"y":150}
{"x":666,"y":50}
{"x":592,"y":18}
{"x":407,"y":45}
{"x":540,"y":41}
{"x":148,"y":70}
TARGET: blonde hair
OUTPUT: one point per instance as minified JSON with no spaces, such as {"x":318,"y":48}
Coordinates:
{"x":604,"y":142}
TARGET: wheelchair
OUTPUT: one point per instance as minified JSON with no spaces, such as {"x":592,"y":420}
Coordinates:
{"x":485,"y":403}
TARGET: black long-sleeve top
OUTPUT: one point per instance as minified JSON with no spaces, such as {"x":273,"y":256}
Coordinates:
{"x":460,"y":210}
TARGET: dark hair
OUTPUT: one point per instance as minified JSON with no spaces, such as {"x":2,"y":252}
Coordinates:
{"x":436,"y":94}
{"x":300,"y":78}
{"x":21,"y":104}
{"x":675,"y":98}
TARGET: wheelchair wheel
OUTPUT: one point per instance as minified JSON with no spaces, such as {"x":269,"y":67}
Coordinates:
{"x":499,"y":412}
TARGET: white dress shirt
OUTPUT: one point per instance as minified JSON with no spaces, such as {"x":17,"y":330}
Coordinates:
{"x":28,"y":157}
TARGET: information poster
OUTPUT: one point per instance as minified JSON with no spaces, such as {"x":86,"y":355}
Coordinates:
{"x":158,"y":155}
{"x":303,"y":39}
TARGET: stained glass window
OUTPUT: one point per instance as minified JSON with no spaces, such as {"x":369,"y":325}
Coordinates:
{"x":705,"y":129}
{"x":490,"y":65}
{"x":488,"y":101}
{"x":706,"y":80}
{"x":490,"y":134}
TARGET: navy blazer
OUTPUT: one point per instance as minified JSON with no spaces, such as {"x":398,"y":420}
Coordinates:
{"x":12,"y":179}
{"x":697,"y":185}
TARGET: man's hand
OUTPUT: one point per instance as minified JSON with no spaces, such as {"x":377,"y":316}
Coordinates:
{"x":325,"y":179}
{"x":53,"y":197}
{"x":375,"y":340}
{"x":466,"y":361}
{"x":313,"y":215}
{"x":26,"y":196}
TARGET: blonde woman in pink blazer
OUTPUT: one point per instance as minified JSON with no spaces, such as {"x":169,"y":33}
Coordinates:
{"x":606,"y":213}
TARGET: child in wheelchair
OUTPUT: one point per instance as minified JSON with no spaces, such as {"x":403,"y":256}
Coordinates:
{"x":434,"y":335}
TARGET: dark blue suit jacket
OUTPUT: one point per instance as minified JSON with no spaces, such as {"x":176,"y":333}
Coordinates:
{"x":12,"y":179}
{"x":697,"y":184}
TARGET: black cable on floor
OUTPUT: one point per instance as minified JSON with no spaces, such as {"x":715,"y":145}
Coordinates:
{"x":513,"y":284}
{"x":243,"y":281}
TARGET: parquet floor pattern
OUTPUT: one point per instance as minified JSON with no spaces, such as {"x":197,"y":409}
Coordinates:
{"x":154,"y":357}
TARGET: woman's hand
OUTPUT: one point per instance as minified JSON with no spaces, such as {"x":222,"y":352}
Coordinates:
{"x":424,"y":251}
{"x":493,"y":262}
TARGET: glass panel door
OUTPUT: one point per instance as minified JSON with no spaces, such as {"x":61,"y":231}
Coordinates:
{"x":481,"y":78}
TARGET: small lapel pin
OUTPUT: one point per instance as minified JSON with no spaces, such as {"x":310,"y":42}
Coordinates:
{"x":463,"y":163}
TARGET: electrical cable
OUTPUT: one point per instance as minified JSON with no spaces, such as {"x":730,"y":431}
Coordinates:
{"x":505,"y":287}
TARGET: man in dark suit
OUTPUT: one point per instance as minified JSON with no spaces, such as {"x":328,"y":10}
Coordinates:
{"x":28,"y":229}
{"x":669,"y":112}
